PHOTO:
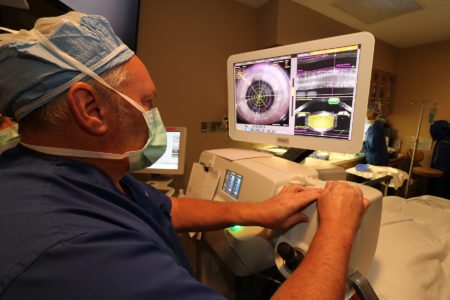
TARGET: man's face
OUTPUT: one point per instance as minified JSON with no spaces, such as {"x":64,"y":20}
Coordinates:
{"x":140,"y":86}
{"x":131,"y":126}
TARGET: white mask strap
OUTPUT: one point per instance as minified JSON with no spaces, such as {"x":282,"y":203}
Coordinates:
{"x":74,"y":152}
{"x":85,"y":153}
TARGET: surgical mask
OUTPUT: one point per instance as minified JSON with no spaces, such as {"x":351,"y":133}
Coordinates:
{"x":156,"y":143}
{"x":9,"y":137}
{"x":139,"y":159}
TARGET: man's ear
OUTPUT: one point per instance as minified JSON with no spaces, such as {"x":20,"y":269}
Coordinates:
{"x":87,"y":108}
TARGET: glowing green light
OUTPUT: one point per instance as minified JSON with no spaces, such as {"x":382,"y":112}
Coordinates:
{"x":235,"y":228}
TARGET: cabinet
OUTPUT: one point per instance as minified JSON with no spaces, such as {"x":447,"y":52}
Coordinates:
{"x":382,"y":89}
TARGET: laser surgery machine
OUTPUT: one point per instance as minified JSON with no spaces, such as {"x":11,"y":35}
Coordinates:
{"x":310,"y":95}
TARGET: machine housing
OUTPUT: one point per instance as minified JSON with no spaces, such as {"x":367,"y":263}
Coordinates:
{"x":249,"y":249}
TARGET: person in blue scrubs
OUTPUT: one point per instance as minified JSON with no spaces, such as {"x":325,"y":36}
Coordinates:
{"x":374,"y":145}
{"x":75,"y":225}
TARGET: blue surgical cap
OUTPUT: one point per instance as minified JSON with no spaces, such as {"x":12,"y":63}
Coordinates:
{"x":32,"y":73}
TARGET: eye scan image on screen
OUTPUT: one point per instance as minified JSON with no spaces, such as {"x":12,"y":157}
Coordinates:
{"x":325,"y":91}
{"x":310,"y":91}
{"x":319,"y":86}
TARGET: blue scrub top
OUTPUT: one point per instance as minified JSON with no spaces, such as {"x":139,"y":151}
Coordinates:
{"x":68,"y":233}
{"x":374,"y":145}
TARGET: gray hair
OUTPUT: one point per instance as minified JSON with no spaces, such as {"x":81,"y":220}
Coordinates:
{"x":57,"y":111}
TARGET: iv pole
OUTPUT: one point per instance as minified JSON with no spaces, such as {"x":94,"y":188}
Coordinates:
{"x":414,"y":149}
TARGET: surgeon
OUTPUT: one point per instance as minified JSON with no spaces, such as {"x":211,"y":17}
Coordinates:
{"x":75,"y":225}
{"x":374,"y":145}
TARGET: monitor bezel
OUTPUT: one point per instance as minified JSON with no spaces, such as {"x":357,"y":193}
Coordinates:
{"x":366,"y":41}
{"x":181,"y":155}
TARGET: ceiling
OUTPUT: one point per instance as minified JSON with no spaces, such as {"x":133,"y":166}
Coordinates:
{"x":401,"y":23}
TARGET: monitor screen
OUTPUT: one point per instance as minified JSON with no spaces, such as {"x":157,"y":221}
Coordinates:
{"x":232,"y":183}
{"x":123,"y":15}
{"x":310,"y":95}
{"x":172,"y":161}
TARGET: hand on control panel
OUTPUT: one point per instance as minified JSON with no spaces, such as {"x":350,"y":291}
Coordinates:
{"x":284,"y":209}
{"x":342,"y":205}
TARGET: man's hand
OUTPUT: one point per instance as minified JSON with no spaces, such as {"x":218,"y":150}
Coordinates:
{"x":321,"y":275}
{"x":342,"y":205}
{"x":284,"y":209}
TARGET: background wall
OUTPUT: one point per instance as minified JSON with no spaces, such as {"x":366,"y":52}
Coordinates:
{"x":185,"y":45}
{"x":422,"y":74}
{"x":297,"y":23}
{"x":283,"y":22}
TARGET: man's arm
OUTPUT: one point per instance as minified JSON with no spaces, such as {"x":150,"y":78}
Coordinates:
{"x":322,"y":273}
{"x":280,"y":211}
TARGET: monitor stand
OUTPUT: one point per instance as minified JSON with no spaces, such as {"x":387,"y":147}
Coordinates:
{"x":297,"y":154}
{"x":161,"y":182}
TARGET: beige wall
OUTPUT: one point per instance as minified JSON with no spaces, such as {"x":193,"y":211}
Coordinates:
{"x":266,"y":25}
{"x":385,"y":57}
{"x":185,"y":45}
{"x":423,"y":74}
{"x":297,"y":23}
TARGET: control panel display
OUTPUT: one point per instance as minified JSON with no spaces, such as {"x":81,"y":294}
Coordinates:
{"x":232,"y":183}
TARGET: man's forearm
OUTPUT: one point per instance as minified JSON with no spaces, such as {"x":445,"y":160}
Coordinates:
{"x":280,"y":211}
{"x":203,"y":215}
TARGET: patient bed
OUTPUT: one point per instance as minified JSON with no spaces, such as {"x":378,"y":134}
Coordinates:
{"x":412,"y":257}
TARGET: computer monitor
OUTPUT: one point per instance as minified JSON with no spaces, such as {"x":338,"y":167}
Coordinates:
{"x":172,"y":161}
{"x":123,"y":15}
{"x":310,"y":95}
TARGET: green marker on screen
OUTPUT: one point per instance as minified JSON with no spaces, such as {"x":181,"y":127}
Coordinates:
{"x":333,"y":100}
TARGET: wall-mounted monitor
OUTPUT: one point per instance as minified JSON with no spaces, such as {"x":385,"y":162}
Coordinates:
{"x":172,"y":161}
{"x":123,"y":15}
{"x":310,"y":95}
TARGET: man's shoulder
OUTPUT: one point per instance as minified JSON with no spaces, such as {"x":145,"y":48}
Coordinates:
{"x":46,"y":201}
